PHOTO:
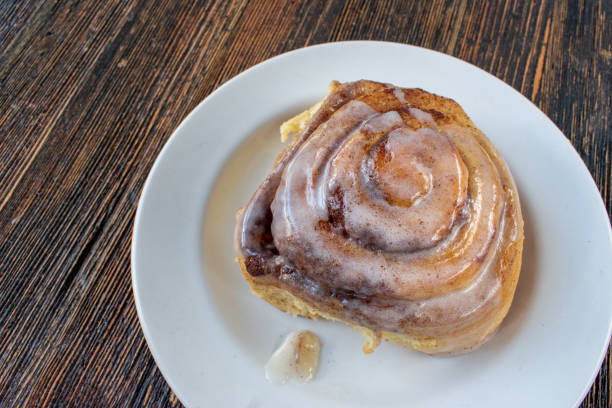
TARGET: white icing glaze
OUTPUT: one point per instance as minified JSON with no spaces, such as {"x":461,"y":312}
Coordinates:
{"x":422,"y":116}
{"x":342,"y":141}
{"x":296,"y":359}
{"x":404,"y":211}
{"x":399,"y":94}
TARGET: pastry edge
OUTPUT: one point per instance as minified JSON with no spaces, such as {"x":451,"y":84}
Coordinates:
{"x":287,"y":302}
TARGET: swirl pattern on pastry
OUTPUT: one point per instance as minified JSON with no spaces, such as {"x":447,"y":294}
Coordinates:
{"x":392,"y":212}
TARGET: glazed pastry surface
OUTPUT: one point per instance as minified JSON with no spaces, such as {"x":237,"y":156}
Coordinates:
{"x":392,"y":212}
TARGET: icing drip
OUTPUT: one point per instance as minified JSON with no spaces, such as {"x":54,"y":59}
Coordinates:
{"x":296,"y":359}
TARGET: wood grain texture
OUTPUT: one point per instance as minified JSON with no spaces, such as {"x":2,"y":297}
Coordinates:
{"x":90,"y":91}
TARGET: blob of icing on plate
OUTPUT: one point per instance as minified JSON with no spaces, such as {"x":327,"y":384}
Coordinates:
{"x":296,"y":359}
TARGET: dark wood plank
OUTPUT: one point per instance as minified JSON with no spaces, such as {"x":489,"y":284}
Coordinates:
{"x":90,"y":91}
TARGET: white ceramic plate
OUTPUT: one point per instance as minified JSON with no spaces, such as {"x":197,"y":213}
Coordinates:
{"x":211,"y":337}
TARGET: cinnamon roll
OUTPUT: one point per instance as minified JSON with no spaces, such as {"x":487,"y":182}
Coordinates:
{"x":389,"y":211}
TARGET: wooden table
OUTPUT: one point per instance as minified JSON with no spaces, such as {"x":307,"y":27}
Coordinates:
{"x":91,"y":90}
